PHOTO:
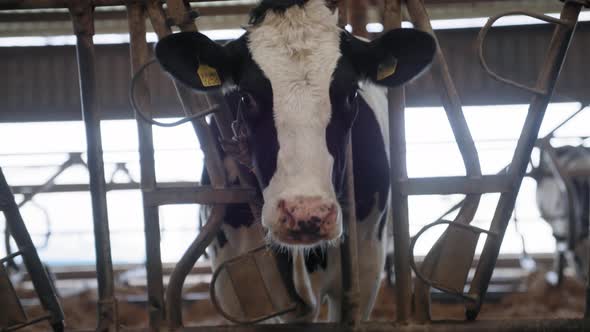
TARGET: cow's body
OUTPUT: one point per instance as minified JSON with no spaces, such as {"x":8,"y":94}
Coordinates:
{"x":302,"y":83}
{"x":316,"y":275}
{"x":552,"y":200}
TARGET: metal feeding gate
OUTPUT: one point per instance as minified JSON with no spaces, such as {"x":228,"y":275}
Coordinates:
{"x":446,"y":265}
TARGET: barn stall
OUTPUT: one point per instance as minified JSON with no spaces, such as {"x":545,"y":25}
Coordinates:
{"x":496,"y":266}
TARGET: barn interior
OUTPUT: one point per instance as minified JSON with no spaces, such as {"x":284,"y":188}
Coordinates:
{"x":66,"y":118}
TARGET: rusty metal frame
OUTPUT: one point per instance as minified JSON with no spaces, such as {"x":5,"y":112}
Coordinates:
{"x":546,"y":81}
{"x":473,"y":184}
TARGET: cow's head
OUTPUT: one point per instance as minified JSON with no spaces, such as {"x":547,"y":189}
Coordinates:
{"x":297,"y":73}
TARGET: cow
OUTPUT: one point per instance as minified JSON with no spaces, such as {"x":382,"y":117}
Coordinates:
{"x":552,"y":201}
{"x":302,"y":86}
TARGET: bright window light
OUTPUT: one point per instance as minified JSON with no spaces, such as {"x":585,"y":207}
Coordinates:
{"x":431,"y":151}
{"x":107,"y":38}
{"x":374,"y":27}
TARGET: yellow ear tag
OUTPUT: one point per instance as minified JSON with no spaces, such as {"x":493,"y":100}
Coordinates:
{"x":386,"y":69}
{"x":209,"y":76}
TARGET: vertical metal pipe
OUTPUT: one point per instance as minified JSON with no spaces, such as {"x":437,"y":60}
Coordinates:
{"x":546,"y":81}
{"x":398,"y":172}
{"x":350,"y":308}
{"x":358,"y":18}
{"x":349,"y":249}
{"x":587,"y":308}
{"x":178,"y":12}
{"x":139,"y":55}
{"x":83,"y":19}
{"x":452,"y":105}
{"x":343,"y":12}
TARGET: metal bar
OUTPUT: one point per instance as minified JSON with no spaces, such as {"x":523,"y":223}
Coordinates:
{"x":59,"y":188}
{"x":31,"y":259}
{"x":56,"y":188}
{"x":31,"y":322}
{"x":350,"y":308}
{"x":189,"y":102}
{"x":546,"y":81}
{"x":186,"y":263}
{"x":574,"y":173}
{"x":452,"y":105}
{"x":179,"y":13}
{"x":558,"y":325}
{"x":566,"y":120}
{"x":399,"y":202}
{"x":456,"y":185}
{"x":587,"y":302}
{"x":73,"y":159}
{"x":358,"y":17}
{"x":83,"y":21}
{"x":10,"y":257}
{"x":200,"y":195}
{"x":343,"y":12}
{"x":139,"y":54}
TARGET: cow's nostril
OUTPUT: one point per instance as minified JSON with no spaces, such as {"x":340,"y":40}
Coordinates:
{"x":310,"y":227}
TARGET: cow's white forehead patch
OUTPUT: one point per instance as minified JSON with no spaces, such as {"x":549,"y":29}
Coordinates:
{"x":298,"y":52}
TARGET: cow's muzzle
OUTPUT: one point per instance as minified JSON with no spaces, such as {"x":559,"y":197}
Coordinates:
{"x":307,"y":221}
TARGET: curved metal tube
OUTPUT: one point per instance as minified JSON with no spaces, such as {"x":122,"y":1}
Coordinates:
{"x":481,"y":39}
{"x":418,"y":271}
{"x":186,"y":263}
{"x":219,"y":307}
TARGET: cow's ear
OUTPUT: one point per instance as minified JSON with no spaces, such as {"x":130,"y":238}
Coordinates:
{"x":195,"y":60}
{"x":394,"y":58}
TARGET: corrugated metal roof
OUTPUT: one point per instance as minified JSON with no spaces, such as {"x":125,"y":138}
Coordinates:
{"x":40,"y":83}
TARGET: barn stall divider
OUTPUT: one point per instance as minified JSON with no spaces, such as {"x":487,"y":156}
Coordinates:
{"x":444,"y":268}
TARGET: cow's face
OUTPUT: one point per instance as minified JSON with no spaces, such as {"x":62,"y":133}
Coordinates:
{"x":297,"y":75}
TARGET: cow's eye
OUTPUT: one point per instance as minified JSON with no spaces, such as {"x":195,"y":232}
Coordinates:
{"x":351,"y":99}
{"x":249,"y":104}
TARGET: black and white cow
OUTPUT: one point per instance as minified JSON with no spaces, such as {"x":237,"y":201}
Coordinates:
{"x":552,"y":200}
{"x":304,"y":86}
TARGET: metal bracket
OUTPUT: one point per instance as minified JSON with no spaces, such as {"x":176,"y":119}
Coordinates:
{"x":247,"y":269}
{"x":449,"y":254}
